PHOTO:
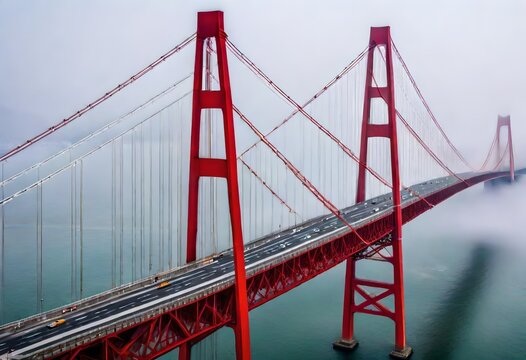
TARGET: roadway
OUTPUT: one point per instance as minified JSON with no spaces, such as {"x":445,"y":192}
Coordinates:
{"x":39,"y":336}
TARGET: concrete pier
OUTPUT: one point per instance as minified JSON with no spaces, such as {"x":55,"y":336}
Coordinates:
{"x":403,"y":353}
{"x":345,"y":345}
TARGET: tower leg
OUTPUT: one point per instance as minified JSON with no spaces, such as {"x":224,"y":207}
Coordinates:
{"x":184,"y":352}
{"x":371,"y":303}
{"x":347,"y":342}
{"x":354,"y":286}
{"x":211,"y":25}
{"x":401,"y":350}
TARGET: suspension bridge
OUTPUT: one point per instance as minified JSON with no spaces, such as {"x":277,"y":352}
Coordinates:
{"x":150,"y":232}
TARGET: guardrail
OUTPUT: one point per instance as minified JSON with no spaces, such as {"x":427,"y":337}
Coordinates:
{"x":19,"y":325}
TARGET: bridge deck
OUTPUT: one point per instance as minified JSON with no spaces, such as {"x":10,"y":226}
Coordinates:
{"x":32,"y":338}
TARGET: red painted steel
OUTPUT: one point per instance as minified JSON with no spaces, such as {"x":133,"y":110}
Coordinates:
{"x":504,"y":121}
{"x":211,"y":25}
{"x":193,"y":321}
{"x":380,"y":37}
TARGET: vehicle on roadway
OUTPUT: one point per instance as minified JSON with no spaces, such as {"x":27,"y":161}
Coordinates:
{"x":69,"y":309}
{"x":163,"y":284}
{"x":217,"y":256}
{"x":56,"y":323}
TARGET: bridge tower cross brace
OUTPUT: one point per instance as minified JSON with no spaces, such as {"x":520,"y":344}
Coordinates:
{"x":504,"y":121}
{"x":379,"y":37}
{"x":211,"y":25}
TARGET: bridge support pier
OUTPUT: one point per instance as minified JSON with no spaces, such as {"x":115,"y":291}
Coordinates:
{"x":372,"y":303}
{"x":184,"y":352}
{"x":345,"y":345}
{"x":357,"y":288}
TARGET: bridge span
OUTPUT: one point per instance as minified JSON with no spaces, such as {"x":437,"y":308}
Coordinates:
{"x":198,"y":300}
{"x":151,"y":153}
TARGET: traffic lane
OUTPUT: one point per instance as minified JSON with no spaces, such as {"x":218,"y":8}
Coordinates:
{"x":115,"y":307}
{"x":81,"y":317}
{"x":285,"y":241}
{"x":294,"y":238}
{"x":288,"y":240}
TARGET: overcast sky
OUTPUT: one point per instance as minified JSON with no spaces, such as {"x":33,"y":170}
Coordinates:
{"x":467,"y":56}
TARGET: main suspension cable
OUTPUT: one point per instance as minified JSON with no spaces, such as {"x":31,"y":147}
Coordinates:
{"x":264,"y":183}
{"x":73,"y":162}
{"x":306,"y":183}
{"x":258,"y":72}
{"x":490,"y":152}
{"x":98,"y":101}
{"x":419,"y":139}
{"x":428,"y":108}
{"x":98,"y":131}
{"x":342,"y":73}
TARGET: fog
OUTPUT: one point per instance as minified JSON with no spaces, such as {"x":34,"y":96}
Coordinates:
{"x":56,"y":57}
{"x":481,"y":214}
{"x":466,"y":56}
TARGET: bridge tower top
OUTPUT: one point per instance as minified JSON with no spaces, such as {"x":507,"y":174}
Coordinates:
{"x":505,"y":121}
{"x":380,"y":44}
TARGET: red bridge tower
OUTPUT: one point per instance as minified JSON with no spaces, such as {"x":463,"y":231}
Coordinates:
{"x":380,"y":38}
{"x":211,"y":25}
{"x":504,"y":121}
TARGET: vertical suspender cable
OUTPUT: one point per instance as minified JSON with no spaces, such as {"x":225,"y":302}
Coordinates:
{"x":142,"y":252}
{"x":257,"y":207}
{"x":170,"y":193}
{"x":272,"y":183}
{"x":2,"y":249}
{"x":74,"y":230}
{"x":180,"y":239}
{"x":81,"y":224}
{"x":113,"y":215}
{"x":121,"y":212}
{"x":160,"y":198}
{"x":133,"y":179}
{"x":150,"y":204}
{"x":40,"y":299}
